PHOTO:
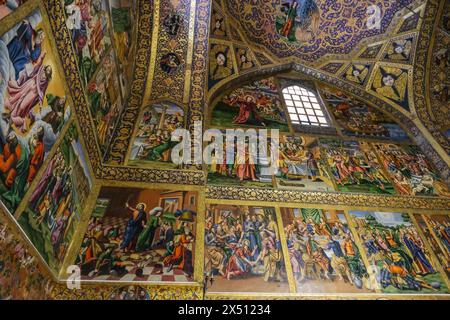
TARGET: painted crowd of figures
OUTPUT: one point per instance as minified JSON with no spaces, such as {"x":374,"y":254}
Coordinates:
{"x":378,"y":252}
{"x":20,"y":275}
{"x":55,"y":205}
{"x":154,"y":243}
{"x":398,"y":256}
{"x":311,"y":164}
{"x":243,"y":243}
{"x":322,"y":250}
{"x":436,"y":229}
{"x":33,"y":104}
{"x":97,"y":27}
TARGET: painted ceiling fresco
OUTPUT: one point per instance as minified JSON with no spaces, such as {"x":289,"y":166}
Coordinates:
{"x":313,"y":28}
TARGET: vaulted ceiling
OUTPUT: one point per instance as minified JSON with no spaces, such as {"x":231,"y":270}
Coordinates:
{"x":325,"y":27}
{"x":339,"y":43}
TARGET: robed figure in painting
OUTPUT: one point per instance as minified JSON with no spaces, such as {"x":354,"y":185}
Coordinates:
{"x":145,"y":240}
{"x":134,"y":227}
{"x":248,"y":111}
{"x":181,"y":257}
{"x":27,"y":91}
{"x":25,"y":47}
{"x":418,"y":254}
{"x":301,"y":20}
{"x":241,"y":259}
{"x":14,"y":163}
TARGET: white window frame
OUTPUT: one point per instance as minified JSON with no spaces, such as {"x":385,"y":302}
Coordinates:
{"x":304,"y":107}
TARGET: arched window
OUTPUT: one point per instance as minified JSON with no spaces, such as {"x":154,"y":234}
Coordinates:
{"x":304,"y":107}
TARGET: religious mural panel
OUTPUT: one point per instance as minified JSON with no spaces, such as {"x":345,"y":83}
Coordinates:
{"x":243,"y":250}
{"x":399,"y":259}
{"x":153,"y":142}
{"x":242,"y":165}
{"x":122,"y":23}
{"x":410,"y":171}
{"x":55,"y":206}
{"x":254,"y":105}
{"x":357,"y":119}
{"x":300,"y":166}
{"x":8,"y":6}
{"x":140,"y":235}
{"x":130,"y":293}
{"x":88,"y":23}
{"x":104,"y":98}
{"x":354,"y":167}
{"x":298,"y":21}
{"x":436,"y":229}
{"x":33,"y":105}
{"x":323,"y":253}
{"x":20,"y":275}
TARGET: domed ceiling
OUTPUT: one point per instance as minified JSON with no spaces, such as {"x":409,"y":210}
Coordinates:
{"x":311,"y":29}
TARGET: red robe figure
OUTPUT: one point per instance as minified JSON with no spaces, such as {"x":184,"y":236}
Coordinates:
{"x":248,"y":113}
{"x":181,"y":258}
{"x":9,"y":158}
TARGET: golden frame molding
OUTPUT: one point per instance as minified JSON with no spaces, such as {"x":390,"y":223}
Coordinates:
{"x":346,"y":200}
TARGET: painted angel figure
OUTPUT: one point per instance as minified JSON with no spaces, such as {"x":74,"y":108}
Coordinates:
{"x":391,"y":83}
{"x":400,"y":50}
{"x":357,"y":73}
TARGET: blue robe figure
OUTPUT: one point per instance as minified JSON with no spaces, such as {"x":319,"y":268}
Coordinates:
{"x":310,"y":229}
{"x":371,"y":247}
{"x":444,"y":235}
{"x":336,"y":248}
{"x":250,"y":235}
{"x":299,"y":14}
{"x":418,"y":254}
{"x":21,"y":48}
{"x":133,"y":229}
{"x":305,"y":9}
